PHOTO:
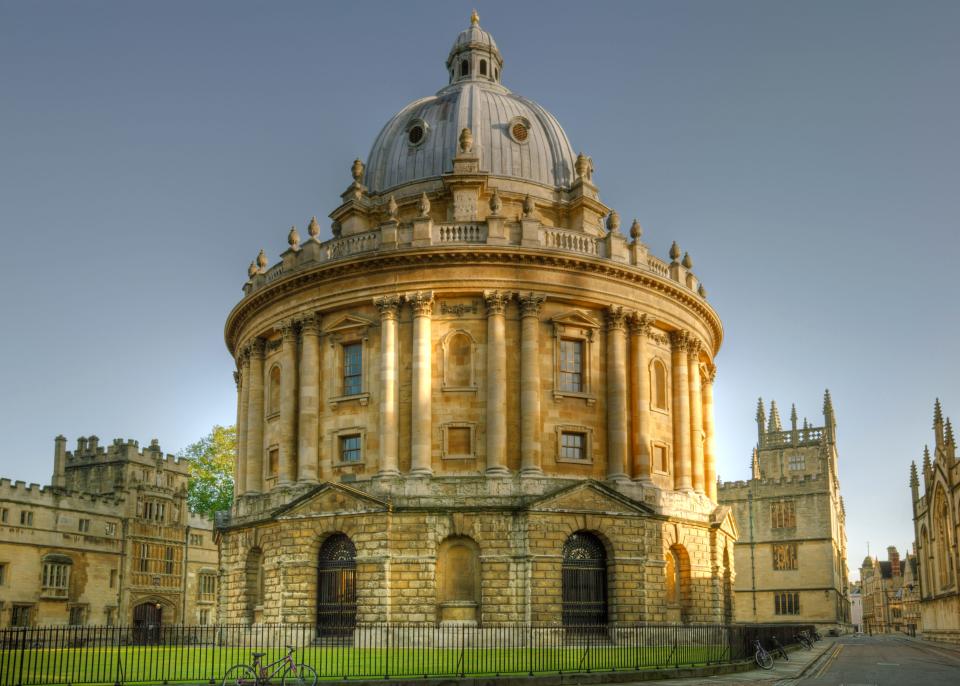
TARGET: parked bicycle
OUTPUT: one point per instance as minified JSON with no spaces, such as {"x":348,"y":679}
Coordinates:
{"x":259,"y":673}
{"x":778,"y":649}
{"x":760,"y":654}
{"x":816,"y":635}
{"x":804,"y":639}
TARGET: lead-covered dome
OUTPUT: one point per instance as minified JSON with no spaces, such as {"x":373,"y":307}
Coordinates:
{"x":512,"y":135}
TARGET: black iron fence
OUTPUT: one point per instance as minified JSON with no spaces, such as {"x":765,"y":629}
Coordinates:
{"x":203,"y":654}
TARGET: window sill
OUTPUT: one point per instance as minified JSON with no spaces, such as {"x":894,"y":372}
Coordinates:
{"x":445,"y":456}
{"x":590,"y":398}
{"x":570,"y":460}
{"x":340,"y":465}
{"x":272,"y":415}
{"x":459,"y":389}
{"x":659,"y":410}
{"x":48,"y":595}
{"x":362,"y":398}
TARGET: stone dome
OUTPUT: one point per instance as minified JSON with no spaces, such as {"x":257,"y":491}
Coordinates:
{"x":513,"y":136}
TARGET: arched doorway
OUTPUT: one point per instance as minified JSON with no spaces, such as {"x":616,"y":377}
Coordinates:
{"x":147,"y":619}
{"x":584,"y":578}
{"x":337,"y":587}
{"x":727,"y":588}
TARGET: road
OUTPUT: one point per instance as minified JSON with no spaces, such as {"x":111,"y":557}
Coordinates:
{"x":885,"y":660}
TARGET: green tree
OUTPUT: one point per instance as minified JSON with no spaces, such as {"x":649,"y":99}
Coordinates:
{"x":211,"y":470}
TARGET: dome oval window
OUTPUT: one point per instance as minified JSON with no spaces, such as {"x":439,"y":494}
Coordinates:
{"x":519,"y":129}
{"x":417,"y":132}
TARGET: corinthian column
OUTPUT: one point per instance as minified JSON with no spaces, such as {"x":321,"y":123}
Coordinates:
{"x":696,"y":415}
{"x":616,"y":394}
{"x":389,"y":307}
{"x":530,"y":391}
{"x":308,"y":455}
{"x":640,"y":325}
{"x":288,"y":404}
{"x":496,"y":384}
{"x":242,"y":376}
{"x":680,"y":341}
{"x":254,"y":445}
{"x":421,"y":427}
{"x":709,"y":447}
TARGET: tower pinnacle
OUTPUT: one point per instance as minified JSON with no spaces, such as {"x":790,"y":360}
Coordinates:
{"x":773,"y":423}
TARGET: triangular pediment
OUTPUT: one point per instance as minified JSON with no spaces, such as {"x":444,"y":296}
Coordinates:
{"x":588,"y":497}
{"x":329,"y":499}
{"x":578,"y":318}
{"x":723,"y":519}
{"x":348,"y":322}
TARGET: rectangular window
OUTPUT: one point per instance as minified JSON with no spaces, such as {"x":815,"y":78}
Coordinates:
{"x":204,"y":617}
{"x":208,"y":586}
{"x":784,"y":556}
{"x":274,"y":461}
{"x":196,"y":539}
{"x":787,"y":603}
{"x":660,"y":459}
{"x":353,"y":369}
{"x":20,"y":615}
{"x":84,"y":526}
{"x":77,"y":615}
{"x":56,"y":579}
{"x":144,"y":561}
{"x":108,"y":616}
{"x":573,"y":445}
{"x":3,"y":573}
{"x":26,"y":518}
{"x":783,"y":515}
{"x":110,"y":529}
{"x":113,"y":578}
{"x":350,"y":448}
{"x":797,"y":463}
{"x":4,"y":515}
{"x":168,"y":560}
{"x":571,"y":365}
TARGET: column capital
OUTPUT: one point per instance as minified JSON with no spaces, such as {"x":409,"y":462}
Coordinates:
{"x":421,"y":302}
{"x":641,"y":324}
{"x":236,"y":379}
{"x":389,"y":306}
{"x":709,"y":374}
{"x":287,"y":329}
{"x":693,"y":347}
{"x":496,"y":301}
{"x":680,"y":340}
{"x":309,"y":324}
{"x":530,"y":304}
{"x":255,"y":348}
{"x":616,"y":318}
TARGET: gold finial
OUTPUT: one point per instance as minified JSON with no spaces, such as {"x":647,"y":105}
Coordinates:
{"x":474,"y":18}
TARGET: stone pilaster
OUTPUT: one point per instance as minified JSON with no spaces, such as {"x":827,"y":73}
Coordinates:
{"x":389,"y":307}
{"x":616,"y":394}
{"x":696,"y":416}
{"x":421,"y":422}
{"x":288,"y":404}
{"x":308,"y":455}
{"x":255,"y":420}
{"x":243,"y":399}
{"x":496,"y":383}
{"x":640,"y":325}
{"x":709,"y":444}
{"x":530,"y":447}
{"x":680,"y":342}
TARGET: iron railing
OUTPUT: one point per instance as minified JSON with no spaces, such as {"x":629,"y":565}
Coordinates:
{"x":202,"y":654}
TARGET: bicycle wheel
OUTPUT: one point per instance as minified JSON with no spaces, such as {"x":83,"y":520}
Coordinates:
{"x":305,"y":676}
{"x":763,"y":659}
{"x":240,"y":675}
{"x":805,"y":642}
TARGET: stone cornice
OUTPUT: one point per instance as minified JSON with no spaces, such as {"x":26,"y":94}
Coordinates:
{"x":330,"y":271}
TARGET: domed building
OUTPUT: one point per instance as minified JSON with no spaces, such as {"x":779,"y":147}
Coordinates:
{"x":479,"y":401}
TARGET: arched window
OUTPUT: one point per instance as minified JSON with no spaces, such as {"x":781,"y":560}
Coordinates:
{"x":584,"y":580}
{"x":923,"y":557}
{"x":678,"y":581}
{"x":254,"y":583}
{"x":458,"y":579}
{"x":274,"y":406}
{"x":727,"y":587}
{"x":941,"y":529}
{"x":658,"y":385}
{"x":458,"y":361}
{"x":464,"y":68}
{"x":483,"y":67}
{"x":337,"y":587}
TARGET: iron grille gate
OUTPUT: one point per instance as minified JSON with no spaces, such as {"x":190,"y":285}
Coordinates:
{"x":337,"y":588}
{"x":584,"y":577}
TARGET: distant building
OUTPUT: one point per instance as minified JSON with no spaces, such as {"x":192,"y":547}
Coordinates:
{"x":791,"y":558}
{"x":856,"y":607}
{"x":890,"y":594}
{"x":110,"y":542}
{"x":936,"y":523}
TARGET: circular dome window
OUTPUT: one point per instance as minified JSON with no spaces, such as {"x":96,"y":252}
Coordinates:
{"x":519,"y":129}
{"x":416,"y":132}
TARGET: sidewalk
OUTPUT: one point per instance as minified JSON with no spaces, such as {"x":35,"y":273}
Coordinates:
{"x":801,"y":661}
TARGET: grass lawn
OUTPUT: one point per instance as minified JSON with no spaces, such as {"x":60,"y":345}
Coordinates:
{"x":202,"y":663}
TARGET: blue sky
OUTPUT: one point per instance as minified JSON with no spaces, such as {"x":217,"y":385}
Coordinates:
{"x":804,"y":153}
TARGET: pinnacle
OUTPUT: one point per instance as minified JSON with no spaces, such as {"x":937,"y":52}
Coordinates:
{"x":793,"y":415}
{"x":937,"y":413}
{"x":948,"y":433}
{"x":926,"y":458}
{"x":914,"y":481}
{"x":827,"y":404}
{"x":773,"y":423}
{"x":761,"y":415}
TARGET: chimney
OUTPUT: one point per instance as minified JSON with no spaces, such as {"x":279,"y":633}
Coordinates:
{"x":894,"y":557}
{"x":60,"y":462}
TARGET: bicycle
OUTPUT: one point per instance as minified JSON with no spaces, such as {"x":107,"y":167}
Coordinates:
{"x":762,"y":657}
{"x":816,"y":635}
{"x":258,"y":673}
{"x":804,"y":640}
{"x":778,"y":648}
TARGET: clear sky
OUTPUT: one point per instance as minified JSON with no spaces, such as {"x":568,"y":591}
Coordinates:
{"x":805,"y":153}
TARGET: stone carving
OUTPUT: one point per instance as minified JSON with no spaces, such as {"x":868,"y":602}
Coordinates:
{"x":357,"y":170}
{"x":584,"y":167}
{"x":616,"y":317}
{"x":641,"y":323}
{"x":392,"y":207}
{"x":496,"y":301}
{"x":262,"y":261}
{"x":389,"y":306}
{"x":687,"y":261}
{"x":495,"y":204}
{"x":252,"y":270}
{"x":693,"y":347}
{"x":310,"y":324}
{"x":293,"y":238}
{"x":466,"y":141}
{"x":680,"y":340}
{"x":528,"y":207}
{"x":701,"y":291}
{"x":424,"y":205}
{"x":636,"y":231}
{"x":313,"y":228}
{"x":530,"y":304}
{"x":236,"y":379}
{"x":674,"y":252}
{"x":288,"y":329}
{"x":256,"y":347}
{"x":613,"y":222}
{"x":458,"y":310}
{"x":336,"y":229}
{"x":421,"y":302}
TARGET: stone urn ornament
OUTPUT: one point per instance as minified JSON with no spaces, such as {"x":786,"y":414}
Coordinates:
{"x":495,"y":203}
{"x":424,"y":205}
{"x":313,"y":228}
{"x":466,"y":141}
{"x":392,"y":207}
{"x":357,"y":170}
{"x":293,"y":238}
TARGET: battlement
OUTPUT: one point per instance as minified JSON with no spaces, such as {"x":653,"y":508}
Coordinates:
{"x":89,"y":452}
{"x":797,"y":438}
{"x":730,"y":487}
{"x":38,"y":495}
